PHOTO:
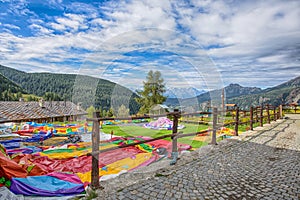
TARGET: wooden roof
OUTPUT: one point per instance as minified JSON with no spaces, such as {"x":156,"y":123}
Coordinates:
{"x":230,"y":105}
{"x":20,"y":110}
{"x":159,"y":106}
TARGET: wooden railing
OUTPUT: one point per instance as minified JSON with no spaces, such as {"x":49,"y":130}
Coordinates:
{"x":292,"y":109}
{"x":255,"y":114}
{"x":259,"y":114}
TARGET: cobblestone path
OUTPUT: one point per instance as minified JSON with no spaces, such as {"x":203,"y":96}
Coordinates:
{"x":263,"y":165}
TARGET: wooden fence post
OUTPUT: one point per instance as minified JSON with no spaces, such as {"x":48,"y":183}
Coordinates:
{"x":174,"y":138}
{"x":274,"y":112}
{"x":214,"y":133}
{"x":280,"y":111}
{"x":95,"y":148}
{"x":237,"y":121}
{"x":268,"y":114}
{"x":251,"y":118}
{"x":256,"y":115}
{"x":261,"y":116}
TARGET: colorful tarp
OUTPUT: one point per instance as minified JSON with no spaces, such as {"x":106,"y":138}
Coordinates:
{"x":64,"y":169}
{"x":53,"y":184}
{"x":162,"y":123}
{"x":127,"y":164}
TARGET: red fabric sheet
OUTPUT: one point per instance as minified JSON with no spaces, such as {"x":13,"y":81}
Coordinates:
{"x":9,"y":168}
{"x":80,"y":164}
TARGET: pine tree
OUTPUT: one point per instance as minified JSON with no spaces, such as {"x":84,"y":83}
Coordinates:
{"x":90,"y":110}
{"x":152,"y":92}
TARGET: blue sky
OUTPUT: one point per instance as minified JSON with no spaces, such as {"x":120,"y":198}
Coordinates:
{"x":201,"y":44}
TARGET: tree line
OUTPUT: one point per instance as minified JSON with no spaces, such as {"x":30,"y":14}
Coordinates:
{"x":107,"y":96}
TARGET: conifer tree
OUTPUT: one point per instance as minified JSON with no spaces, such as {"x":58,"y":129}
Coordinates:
{"x":152,"y":92}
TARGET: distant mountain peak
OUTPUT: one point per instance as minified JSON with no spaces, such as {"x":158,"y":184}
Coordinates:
{"x":183,"y":93}
{"x":234,"y":89}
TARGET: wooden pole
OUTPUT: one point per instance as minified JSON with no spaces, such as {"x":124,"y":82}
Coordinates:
{"x":261,"y":116}
{"x":95,"y":148}
{"x":214,"y":133}
{"x":174,"y":138}
{"x":268,"y":114}
{"x":251,"y":118}
{"x":280,"y":111}
{"x":223,"y":100}
{"x":237,"y":121}
{"x":274,"y":113}
{"x":256,"y":115}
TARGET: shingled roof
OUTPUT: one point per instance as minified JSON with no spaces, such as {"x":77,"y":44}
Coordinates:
{"x":21,"y":110}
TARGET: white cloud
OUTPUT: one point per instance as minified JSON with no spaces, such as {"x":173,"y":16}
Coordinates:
{"x":11,"y":26}
{"x":40,"y":29}
{"x":70,"y":22}
{"x":253,"y":35}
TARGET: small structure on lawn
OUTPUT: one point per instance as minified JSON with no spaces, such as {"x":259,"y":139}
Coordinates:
{"x":42,"y":111}
{"x":159,"y":109}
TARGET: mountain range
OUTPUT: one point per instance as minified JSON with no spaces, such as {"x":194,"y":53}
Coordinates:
{"x":285,"y":93}
{"x":244,"y":97}
{"x":183,"y":93}
{"x":105,"y":93}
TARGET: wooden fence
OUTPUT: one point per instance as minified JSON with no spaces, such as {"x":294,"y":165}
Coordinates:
{"x":257,"y":114}
{"x":292,"y":109}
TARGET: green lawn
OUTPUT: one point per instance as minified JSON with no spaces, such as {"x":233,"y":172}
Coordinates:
{"x":133,"y":130}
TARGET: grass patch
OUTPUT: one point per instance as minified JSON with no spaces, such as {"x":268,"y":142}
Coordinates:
{"x":91,"y":195}
{"x":137,"y":130}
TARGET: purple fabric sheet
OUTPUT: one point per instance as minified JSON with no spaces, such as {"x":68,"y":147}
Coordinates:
{"x":47,"y":185}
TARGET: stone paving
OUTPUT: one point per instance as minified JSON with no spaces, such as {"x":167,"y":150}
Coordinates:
{"x":261,"y":164}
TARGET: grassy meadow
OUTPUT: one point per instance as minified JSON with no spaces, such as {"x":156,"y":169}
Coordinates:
{"x":138,"y":130}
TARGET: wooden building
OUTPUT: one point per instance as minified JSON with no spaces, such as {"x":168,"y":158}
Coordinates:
{"x":159,"y":109}
{"x":42,"y":111}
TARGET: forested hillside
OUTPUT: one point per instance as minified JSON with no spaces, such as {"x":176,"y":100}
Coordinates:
{"x":244,"y":97}
{"x":73,"y":87}
{"x":286,"y":93}
{"x":231,"y":91}
{"x":9,"y":91}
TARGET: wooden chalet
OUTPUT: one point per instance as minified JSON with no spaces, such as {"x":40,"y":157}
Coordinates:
{"x":230,"y":106}
{"x":42,"y":111}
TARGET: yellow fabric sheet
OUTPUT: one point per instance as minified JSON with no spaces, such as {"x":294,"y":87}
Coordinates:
{"x":74,"y":153}
{"x":116,"y":167}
